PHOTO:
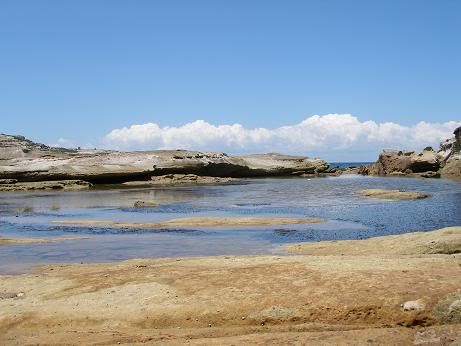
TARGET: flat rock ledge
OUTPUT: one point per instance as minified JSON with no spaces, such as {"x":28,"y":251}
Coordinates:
{"x":19,"y":241}
{"x":392,"y":194}
{"x":63,"y":185}
{"x":182,"y":179}
{"x":195,"y":222}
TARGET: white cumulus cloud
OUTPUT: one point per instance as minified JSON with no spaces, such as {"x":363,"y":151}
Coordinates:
{"x":333,"y":136}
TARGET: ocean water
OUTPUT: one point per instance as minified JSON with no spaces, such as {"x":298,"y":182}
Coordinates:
{"x":349,"y":164}
{"x":347,"y":215}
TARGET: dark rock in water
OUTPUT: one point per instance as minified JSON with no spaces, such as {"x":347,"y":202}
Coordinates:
{"x":145,"y":204}
{"x":25,"y":160}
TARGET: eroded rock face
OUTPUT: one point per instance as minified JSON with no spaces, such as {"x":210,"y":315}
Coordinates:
{"x":25,"y":160}
{"x":391,"y":161}
{"x":452,"y":167}
{"x":445,"y":163}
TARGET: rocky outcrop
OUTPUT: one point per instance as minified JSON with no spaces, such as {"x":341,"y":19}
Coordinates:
{"x":452,"y":163}
{"x":452,"y":167}
{"x":25,"y":160}
{"x":445,"y":163}
{"x":392,"y":162}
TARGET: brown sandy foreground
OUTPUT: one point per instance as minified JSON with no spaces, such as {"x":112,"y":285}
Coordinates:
{"x":398,"y":290}
{"x":196,"y":222}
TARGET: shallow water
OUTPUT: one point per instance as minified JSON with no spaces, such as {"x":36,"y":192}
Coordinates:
{"x":348,"y":216}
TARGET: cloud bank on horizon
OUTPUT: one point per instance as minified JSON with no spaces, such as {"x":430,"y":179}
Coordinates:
{"x":331,"y":136}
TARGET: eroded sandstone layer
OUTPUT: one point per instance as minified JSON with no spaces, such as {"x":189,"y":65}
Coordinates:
{"x":444,"y":163}
{"x":181,"y":179}
{"x":24,"y":160}
{"x":362,"y":292}
{"x":54,"y":185}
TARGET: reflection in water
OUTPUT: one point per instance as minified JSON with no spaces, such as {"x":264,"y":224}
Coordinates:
{"x":349,"y":217}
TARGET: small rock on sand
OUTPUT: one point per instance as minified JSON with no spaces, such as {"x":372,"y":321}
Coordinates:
{"x":417,"y":305}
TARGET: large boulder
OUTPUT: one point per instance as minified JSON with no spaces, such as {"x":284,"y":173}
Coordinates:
{"x":445,"y":163}
{"x":25,"y":160}
{"x":452,"y":150}
{"x":391,"y":162}
{"x":452,"y":167}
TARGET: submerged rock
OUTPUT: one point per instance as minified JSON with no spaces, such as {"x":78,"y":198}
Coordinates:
{"x":145,"y":204}
{"x":204,"y":221}
{"x":392,"y":194}
{"x":18,"y":241}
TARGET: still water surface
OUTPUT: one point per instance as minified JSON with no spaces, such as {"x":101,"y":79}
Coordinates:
{"x":348,"y":216}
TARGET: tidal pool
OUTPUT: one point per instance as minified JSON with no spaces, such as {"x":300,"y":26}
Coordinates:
{"x":347,"y":215}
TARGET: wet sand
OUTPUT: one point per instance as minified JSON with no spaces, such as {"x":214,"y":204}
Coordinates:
{"x":348,"y":293}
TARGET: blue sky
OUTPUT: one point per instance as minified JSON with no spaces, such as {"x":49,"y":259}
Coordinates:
{"x":77,"y":70}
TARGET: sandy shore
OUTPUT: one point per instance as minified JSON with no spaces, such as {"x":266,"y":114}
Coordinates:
{"x":196,"y":222}
{"x":358,"y":292}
